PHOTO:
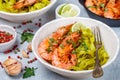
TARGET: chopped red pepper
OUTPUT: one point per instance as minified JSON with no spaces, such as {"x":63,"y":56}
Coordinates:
{"x":9,"y":56}
{"x":8,"y":51}
{"x":5,"y":36}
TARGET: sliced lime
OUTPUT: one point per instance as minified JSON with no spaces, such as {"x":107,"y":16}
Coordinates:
{"x":77,"y":27}
{"x":69,"y":13}
{"x":73,"y":12}
{"x":66,"y":14}
{"x":66,"y":8}
{"x":60,"y":10}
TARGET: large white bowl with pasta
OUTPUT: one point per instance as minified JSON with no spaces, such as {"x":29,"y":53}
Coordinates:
{"x":110,"y":40}
{"x":22,"y":17}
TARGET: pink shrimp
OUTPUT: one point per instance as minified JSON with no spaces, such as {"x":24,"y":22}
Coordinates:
{"x":68,"y":44}
{"x":62,"y":56}
{"x":92,"y":6}
{"x":23,"y":3}
{"x":113,"y":9}
{"x":106,"y":8}
{"x":47,"y":46}
{"x":66,"y":62}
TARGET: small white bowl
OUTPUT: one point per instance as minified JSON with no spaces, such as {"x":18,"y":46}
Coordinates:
{"x":57,"y":15}
{"x":21,"y":17}
{"x":110,"y":40}
{"x":8,"y":45}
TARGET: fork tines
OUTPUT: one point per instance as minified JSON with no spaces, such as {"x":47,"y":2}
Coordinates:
{"x":97,"y":35}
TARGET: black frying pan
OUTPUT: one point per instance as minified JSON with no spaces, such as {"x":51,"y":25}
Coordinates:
{"x":110,"y":22}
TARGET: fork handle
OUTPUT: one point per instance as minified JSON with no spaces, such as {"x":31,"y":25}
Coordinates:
{"x":97,"y":62}
{"x":97,"y":72}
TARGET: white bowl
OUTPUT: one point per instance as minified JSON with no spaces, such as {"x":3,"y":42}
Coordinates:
{"x":8,"y":45}
{"x":21,"y":17}
{"x":57,"y":15}
{"x":110,"y":39}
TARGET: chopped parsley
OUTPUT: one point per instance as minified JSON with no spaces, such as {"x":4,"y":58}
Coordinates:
{"x":73,"y":44}
{"x":102,"y":5}
{"x":52,"y":40}
{"x":85,"y":46}
{"x":68,"y":41}
{"x":29,"y":72}
{"x":106,"y":9}
{"x":74,"y":52}
{"x":91,"y":6}
{"x":49,"y":49}
{"x":61,"y":46}
{"x":25,"y":36}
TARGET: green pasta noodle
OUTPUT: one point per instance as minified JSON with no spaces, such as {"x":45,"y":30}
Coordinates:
{"x":7,"y":6}
{"x":86,"y":52}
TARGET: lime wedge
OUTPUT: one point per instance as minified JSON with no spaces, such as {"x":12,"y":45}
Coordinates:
{"x":66,"y":8}
{"x":60,"y":10}
{"x":73,"y":12}
{"x":67,"y":11}
{"x":77,"y":27}
{"x":66,"y":14}
{"x":70,"y":13}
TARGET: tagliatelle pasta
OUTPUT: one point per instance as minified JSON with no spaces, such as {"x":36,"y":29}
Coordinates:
{"x":85,"y":52}
{"x":7,"y":6}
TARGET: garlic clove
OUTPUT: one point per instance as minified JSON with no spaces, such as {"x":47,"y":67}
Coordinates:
{"x":25,"y":55}
{"x":14,"y":68}
{"x":29,"y":48}
{"x":9,"y":61}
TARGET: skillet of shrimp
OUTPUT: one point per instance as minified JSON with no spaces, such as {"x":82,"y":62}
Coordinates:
{"x":107,"y":8}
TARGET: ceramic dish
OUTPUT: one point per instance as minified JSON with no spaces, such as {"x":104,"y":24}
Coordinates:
{"x":73,"y":6}
{"x":21,"y":17}
{"x":8,"y":45}
{"x":111,"y":43}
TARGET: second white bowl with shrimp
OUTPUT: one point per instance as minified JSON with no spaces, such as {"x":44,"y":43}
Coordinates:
{"x":23,"y":17}
{"x":111,"y":43}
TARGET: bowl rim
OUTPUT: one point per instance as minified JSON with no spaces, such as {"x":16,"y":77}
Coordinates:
{"x":68,"y":71}
{"x":32,"y":12}
{"x":14,"y":36}
{"x":94,"y":13}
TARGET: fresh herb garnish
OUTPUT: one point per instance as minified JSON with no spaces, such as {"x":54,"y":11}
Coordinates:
{"x":102,"y":5}
{"x":52,"y":40}
{"x":25,"y":36}
{"x":91,"y":6}
{"x":85,"y":46}
{"x":61,"y":46}
{"x":73,"y":44}
{"x":49,"y":49}
{"x":29,"y":72}
{"x":68,"y":41}
{"x":106,"y":9}
{"x":74,"y":52}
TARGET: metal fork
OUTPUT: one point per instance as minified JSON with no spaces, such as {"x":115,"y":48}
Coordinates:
{"x":98,"y":71}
